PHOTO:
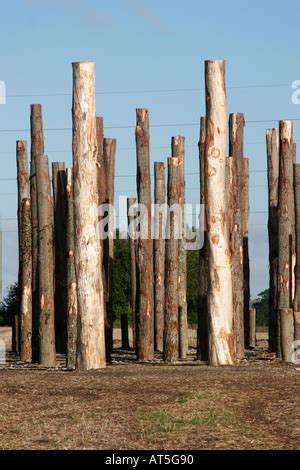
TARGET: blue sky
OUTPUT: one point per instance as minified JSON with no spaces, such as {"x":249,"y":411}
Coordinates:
{"x":144,"y":45}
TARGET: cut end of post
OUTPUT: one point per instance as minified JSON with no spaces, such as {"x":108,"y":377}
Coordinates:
{"x":142,"y":114}
{"x":286,"y":130}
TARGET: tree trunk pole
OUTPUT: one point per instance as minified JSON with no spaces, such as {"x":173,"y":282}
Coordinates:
{"x":23,"y":193}
{"x":132,"y":234}
{"x":273,"y":175}
{"x":108,"y":161}
{"x":220,"y":308}
{"x":37,"y":148}
{"x":124,"y":331}
{"x":159,"y":255}
{"x":236,"y":249}
{"x":25,"y":288}
{"x":178,"y":152}
{"x":145,"y":316}
{"x":88,"y":253}
{"x":60,"y":246}
{"x":171,"y":337}
{"x":202,"y":334}
{"x":246,"y":260}
{"x":286,"y":333}
{"x":252,"y":329}
{"x":46,"y":263}
{"x":297,"y":271}
{"x":71,"y":277}
{"x":285,"y":207}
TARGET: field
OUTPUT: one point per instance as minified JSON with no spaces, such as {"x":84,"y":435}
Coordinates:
{"x":253,"y":405}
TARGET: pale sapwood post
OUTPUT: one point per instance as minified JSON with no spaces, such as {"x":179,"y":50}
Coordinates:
{"x":273,"y":176}
{"x":171,"y":337}
{"x":220,"y":308}
{"x":132,"y":234}
{"x":37,"y":148}
{"x":23,"y":193}
{"x":286,"y":333}
{"x":25,"y":288}
{"x":47,"y":353}
{"x":145,"y":305}
{"x":88,"y":255}
{"x":285,"y":229}
{"x":178,"y":151}
{"x":202,"y":334}
{"x":159,"y":254}
{"x":71,"y":277}
{"x":60,"y":249}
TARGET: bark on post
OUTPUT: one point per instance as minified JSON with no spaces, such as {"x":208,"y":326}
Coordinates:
{"x":60,"y":246}
{"x":178,"y":152}
{"x":23,"y":193}
{"x":159,"y":255}
{"x":37,"y":148}
{"x":246,"y":260}
{"x":252,"y":329}
{"x":273,"y":175}
{"x":286,"y":333}
{"x":171,"y":337}
{"x":46,"y":264}
{"x":108,"y":161}
{"x":236,"y":250}
{"x":71,"y":277}
{"x":132,"y":234}
{"x":88,"y":253}
{"x":25,"y":288}
{"x":236,"y":221}
{"x":285,"y":207}
{"x":202,"y":334}
{"x":145,"y":317}
{"x":297,"y":271}
{"x":220,"y":309}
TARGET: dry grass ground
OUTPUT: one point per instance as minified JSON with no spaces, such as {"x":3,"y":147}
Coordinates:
{"x":132,"y":406}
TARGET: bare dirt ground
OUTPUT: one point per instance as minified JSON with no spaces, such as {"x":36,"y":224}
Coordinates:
{"x":254,"y":405}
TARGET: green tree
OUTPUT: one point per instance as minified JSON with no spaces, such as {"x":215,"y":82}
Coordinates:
{"x":9,"y":306}
{"x":262,"y":308}
{"x":121,"y":278}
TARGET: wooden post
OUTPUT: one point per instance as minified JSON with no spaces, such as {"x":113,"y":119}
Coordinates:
{"x":297,"y":271}
{"x":286,"y":333}
{"x":88,"y":253}
{"x":285,"y":207}
{"x":202,"y":334}
{"x":178,"y":152}
{"x":252,"y":329}
{"x":25,"y":288}
{"x":171,"y":339}
{"x":132,"y":234}
{"x":37,"y":148}
{"x":46,"y":264}
{"x":237,"y":226}
{"x":220,"y":308}
{"x":23,"y":193}
{"x":273,"y":175}
{"x":236,"y":250}
{"x":145,"y":324}
{"x":60,"y":247}
{"x":246,"y":260}
{"x":71,"y":277}
{"x":124,"y":331}
{"x":159,"y":255}
{"x":108,"y":162}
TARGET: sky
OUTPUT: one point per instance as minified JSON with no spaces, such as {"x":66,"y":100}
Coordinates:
{"x":148,"y":53}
